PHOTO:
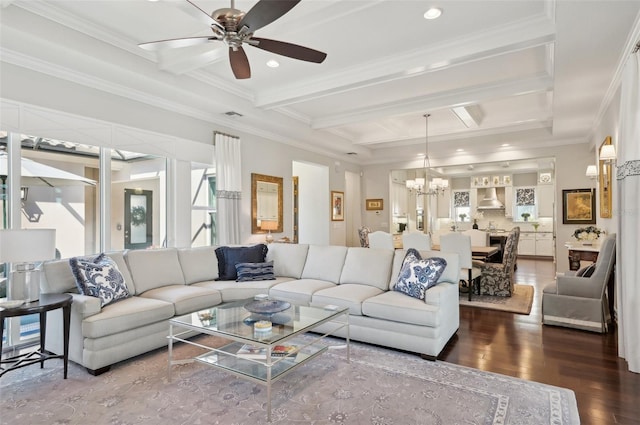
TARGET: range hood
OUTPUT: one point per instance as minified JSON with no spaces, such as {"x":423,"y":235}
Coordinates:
{"x":490,"y":200}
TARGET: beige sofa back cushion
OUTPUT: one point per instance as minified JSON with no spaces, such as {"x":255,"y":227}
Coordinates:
{"x":58,"y":277}
{"x":367,"y":266}
{"x":451,"y":272}
{"x":198,"y":264}
{"x":324,"y":262}
{"x":153,"y":268}
{"x":288,"y":259}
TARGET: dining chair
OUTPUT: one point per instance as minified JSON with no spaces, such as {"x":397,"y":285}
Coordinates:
{"x":381,"y":240}
{"x":478,"y":237}
{"x":363,"y":235}
{"x":417,"y":240}
{"x":498,"y":278}
{"x":461,"y":244}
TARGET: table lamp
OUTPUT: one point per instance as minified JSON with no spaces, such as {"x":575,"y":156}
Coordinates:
{"x":269,"y":225}
{"x":24,"y":248}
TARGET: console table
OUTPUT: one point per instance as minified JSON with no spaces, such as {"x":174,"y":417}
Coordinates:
{"x":578,"y":252}
{"x":46,"y":303}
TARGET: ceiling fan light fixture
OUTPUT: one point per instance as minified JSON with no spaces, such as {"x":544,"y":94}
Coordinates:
{"x":433,"y":13}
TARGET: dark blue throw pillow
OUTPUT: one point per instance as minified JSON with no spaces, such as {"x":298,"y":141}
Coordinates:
{"x":229,"y":256}
{"x":417,"y":274}
{"x":249,"y":272}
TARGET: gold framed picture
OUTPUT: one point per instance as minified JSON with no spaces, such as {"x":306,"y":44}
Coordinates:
{"x":579,"y":206}
{"x":605,"y":170}
{"x":374,"y":204}
{"x":337,"y":206}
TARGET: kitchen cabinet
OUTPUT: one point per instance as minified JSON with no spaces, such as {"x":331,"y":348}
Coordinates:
{"x":545,"y":199}
{"x":444,"y":204}
{"x":539,"y":244}
{"x":508,"y":202}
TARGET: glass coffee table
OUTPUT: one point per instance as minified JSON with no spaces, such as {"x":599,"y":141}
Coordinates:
{"x":254,"y":351}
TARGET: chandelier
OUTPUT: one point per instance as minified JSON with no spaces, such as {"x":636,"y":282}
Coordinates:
{"x":436,"y":185}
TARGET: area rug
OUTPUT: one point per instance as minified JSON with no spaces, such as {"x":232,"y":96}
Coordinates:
{"x":519,"y":302}
{"x":379,"y":386}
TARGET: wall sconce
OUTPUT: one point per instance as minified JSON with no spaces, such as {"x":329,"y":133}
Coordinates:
{"x":592,"y":172}
{"x":608,"y":153}
{"x":24,"y":191}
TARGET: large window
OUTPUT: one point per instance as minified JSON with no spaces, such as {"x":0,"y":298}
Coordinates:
{"x":525,"y":208}
{"x":61,"y":190}
{"x":203,"y":205}
{"x":461,"y":206}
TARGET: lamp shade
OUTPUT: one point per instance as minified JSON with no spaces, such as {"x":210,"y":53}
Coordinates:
{"x":27,"y":245}
{"x":269,"y":225}
{"x":592,"y":171}
{"x":608,"y":153}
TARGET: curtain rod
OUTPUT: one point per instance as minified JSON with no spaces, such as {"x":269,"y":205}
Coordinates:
{"x":224,"y":134}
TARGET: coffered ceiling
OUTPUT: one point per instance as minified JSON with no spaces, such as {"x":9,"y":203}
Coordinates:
{"x":527,"y":73}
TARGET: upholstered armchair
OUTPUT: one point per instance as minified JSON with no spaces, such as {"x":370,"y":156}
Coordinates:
{"x":497,"y":278}
{"x":581,"y":302}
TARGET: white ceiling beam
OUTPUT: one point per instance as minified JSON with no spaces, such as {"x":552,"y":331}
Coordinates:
{"x":181,"y":61}
{"x":498,"y":41}
{"x":449,"y":99}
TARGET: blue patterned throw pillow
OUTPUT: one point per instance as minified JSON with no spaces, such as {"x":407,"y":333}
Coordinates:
{"x":248,"y":272}
{"x":99,"y":277}
{"x":417,"y":274}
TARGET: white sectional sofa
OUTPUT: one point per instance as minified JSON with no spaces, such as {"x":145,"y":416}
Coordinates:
{"x":169,"y":282}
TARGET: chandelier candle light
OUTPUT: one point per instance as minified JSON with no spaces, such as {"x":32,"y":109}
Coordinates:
{"x":436,"y":185}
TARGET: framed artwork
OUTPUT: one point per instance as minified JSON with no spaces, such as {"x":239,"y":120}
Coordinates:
{"x":604,"y":177}
{"x":337,"y":206}
{"x":374,"y":204}
{"x":579,"y":206}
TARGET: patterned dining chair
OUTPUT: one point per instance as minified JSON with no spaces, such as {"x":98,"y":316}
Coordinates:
{"x":498,"y":278}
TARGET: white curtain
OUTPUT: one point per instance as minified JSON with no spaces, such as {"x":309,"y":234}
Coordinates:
{"x":628,"y":243}
{"x":228,"y":188}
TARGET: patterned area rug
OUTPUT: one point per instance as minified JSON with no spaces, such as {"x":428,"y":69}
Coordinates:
{"x":379,"y":386}
{"x":519,"y":302}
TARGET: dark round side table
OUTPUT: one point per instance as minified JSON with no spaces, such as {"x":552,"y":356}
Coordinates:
{"x":47,"y":302}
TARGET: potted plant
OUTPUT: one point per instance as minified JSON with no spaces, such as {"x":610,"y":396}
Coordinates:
{"x":462,"y":217}
{"x":525,"y":216}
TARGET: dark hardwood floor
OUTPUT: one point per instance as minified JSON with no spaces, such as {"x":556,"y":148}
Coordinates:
{"x":518,"y":345}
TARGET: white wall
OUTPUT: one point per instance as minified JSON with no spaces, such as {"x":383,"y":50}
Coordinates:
{"x":313,"y":203}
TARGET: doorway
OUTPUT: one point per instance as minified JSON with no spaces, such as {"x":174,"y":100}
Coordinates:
{"x":138,"y":218}
{"x":313,"y":203}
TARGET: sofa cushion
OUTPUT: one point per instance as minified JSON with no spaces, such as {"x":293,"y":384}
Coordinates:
{"x":229,"y":256}
{"x":288,"y":258}
{"x":99,"y":277}
{"x":198,"y":264}
{"x":186,"y":298}
{"x":418,"y":274}
{"x":127,"y":314}
{"x":397,"y":307}
{"x":153,"y":268}
{"x":248,"y":272}
{"x":324,"y":263}
{"x":298,"y":291}
{"x":364,"y":266}
{"x":233,"y":291}
{"x":345,"y":295}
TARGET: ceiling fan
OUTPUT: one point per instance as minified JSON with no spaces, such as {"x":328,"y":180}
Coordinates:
{"x":235,"y":28}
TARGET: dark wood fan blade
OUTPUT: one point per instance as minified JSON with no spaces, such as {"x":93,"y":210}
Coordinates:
{"x":291,"y":50}
{"x":239,"y":63}
{"x":264,"y":12}
{"x":192,"y":9}
{"x":175,"y":43}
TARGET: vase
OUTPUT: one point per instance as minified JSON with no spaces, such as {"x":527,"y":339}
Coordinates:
{"x":475,"y":224}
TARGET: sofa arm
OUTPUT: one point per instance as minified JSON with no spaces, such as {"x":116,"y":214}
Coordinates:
{"x":86,"y":305}
{"x":574,"y":286}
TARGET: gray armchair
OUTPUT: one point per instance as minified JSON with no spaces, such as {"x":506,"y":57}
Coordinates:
{"x":581,"y":302}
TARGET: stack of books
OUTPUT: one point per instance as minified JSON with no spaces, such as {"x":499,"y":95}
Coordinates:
{"x":249,"y":351}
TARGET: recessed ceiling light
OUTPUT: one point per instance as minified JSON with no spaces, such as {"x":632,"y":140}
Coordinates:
{"x":433,"y":13}
{"x":504,"y":145}
{"x":459,"y":150}
{"x":272,"y":63}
